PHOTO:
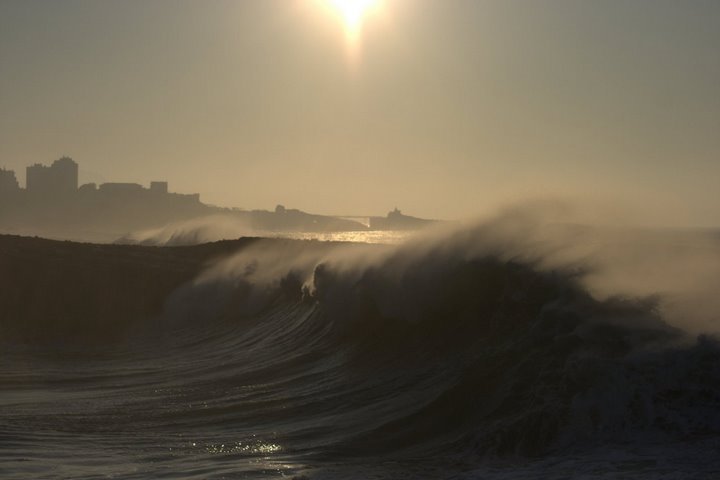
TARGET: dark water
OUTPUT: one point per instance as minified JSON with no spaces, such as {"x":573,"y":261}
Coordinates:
{"x":421,"y":363}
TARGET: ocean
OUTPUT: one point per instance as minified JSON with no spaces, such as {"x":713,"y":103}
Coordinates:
{"x":454,"y":355}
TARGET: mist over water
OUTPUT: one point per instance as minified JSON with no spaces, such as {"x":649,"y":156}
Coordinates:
{"x":676,"y":268}
{"x":205,"y":229}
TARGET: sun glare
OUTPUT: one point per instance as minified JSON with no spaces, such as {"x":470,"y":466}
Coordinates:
{"x":353,"y":13}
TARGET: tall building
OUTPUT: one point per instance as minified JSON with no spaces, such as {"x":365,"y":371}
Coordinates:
{"x":8,"y":181}
{"x":65,"y":174}
{"x":36,"y":178}
{"x":60,"y":178}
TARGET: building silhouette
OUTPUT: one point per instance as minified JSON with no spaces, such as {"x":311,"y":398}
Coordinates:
{"x":8,"y":181}
{"x":121,"y":188}
{"x":53,"y":205}
{"x":60,"y":178}
{"x":159,"y":187}
{"x":59,"y":181}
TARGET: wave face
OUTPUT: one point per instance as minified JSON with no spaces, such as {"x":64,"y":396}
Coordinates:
{"x":427,"y":360}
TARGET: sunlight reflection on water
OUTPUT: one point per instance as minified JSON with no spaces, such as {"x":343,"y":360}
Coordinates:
{"x":392,"y":237}
{"x":256,"y":448}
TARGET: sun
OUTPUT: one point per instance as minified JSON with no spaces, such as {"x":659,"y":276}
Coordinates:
{"x":352,"y":18}
{"x":353,"y":13}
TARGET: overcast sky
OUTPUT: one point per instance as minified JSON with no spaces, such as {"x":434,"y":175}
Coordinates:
{"x":446,"y":108}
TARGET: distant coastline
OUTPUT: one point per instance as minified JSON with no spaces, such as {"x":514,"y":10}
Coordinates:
{"x":54,"y":205}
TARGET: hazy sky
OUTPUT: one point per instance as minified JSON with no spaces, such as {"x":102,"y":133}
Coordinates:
{"x":450,"y":106}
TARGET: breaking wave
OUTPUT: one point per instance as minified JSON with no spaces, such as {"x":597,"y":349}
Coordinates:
{"x":454,"y":350}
